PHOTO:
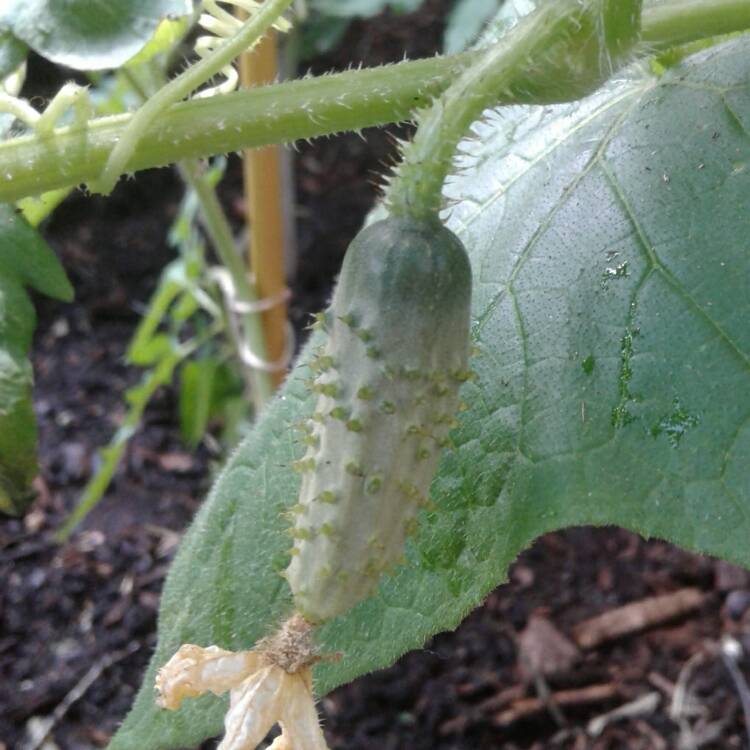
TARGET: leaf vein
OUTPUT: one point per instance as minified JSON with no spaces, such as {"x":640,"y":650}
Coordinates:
{"x":553,"y":146}
{"x":671,"y":280}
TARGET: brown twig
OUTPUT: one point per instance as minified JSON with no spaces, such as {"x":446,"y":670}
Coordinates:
{"x":637,"y":616}
{"x":526,"y":708}
{"x":78,"y":691}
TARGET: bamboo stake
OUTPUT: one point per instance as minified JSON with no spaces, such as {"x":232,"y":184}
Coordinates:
{"x":264,"y":195}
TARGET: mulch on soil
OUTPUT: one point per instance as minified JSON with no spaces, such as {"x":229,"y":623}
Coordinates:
{"x":531,"y":668}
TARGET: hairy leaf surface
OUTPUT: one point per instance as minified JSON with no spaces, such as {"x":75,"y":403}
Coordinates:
{"x":611,"y":259}
{"x":25,"y":261}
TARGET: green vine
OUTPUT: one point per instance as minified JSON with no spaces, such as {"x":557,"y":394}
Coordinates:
{"x":281,"y":113}
{"x":33,"y":164}
{"x":671,"y":24}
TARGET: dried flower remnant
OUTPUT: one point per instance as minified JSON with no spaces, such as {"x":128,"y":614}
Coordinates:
{"x":267,"y":685}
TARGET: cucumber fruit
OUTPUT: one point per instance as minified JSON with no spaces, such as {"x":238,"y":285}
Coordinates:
{"x":387,"y":379}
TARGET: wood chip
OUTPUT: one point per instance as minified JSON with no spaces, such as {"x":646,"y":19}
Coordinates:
{"x":178,"y":463}
{"x":544,"y":650}
{"x":729,"y":577}
{"x":637,"y":616}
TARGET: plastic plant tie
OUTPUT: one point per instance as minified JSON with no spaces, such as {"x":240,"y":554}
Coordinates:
{"x":253,"y":360}
{"x":236,"y":307}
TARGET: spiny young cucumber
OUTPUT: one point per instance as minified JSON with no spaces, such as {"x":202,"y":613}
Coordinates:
{"x":387,"y":379}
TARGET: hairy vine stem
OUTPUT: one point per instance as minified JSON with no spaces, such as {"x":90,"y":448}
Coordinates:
{"x":684,"y":21}
{"x":178,"y":88}
{"x":307,"y":108}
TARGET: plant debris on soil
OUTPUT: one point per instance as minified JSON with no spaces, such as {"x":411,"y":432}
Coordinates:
{"x":598,"y":640}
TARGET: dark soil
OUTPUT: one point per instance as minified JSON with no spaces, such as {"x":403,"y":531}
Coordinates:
{"x":83,"y":615}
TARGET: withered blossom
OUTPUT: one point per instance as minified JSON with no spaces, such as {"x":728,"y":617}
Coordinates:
{"x":269,"y":685}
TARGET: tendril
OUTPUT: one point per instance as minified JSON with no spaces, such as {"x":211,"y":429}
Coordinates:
{"x":71,"y":95}
{"x":226,"y":48}
{"x":222,"y":25}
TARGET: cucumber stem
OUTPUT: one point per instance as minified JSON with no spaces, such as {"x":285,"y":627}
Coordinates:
{"x":564,"y":36}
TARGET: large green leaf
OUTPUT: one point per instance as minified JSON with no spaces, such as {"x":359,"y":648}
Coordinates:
{"x":12,"y":53}
{"x":611,"y":255}
{"x":88,"y":34}
{"x":25,"y":261}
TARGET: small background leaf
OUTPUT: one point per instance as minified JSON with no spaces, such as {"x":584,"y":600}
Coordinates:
{"x":25,"y":261}
{"x":466,"y":20}
{"x":361,"y":8}
{"x":88,"y":34}
{"x":326,"y":21}
{"x":609,"y":245}
{"x":12,"y":53}
{"x":28,"y":258}
{"x":197,"y":384}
